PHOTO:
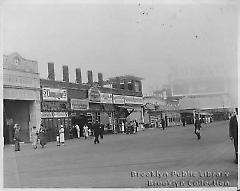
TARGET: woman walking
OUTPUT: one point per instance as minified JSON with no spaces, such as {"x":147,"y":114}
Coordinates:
{"x":34,"y":135}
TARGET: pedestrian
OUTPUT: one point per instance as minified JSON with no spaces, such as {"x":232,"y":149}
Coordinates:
{"x":101,"y":131}
{"x":43,"y":135}
{"x":183,"y":121}
{"x":17,"y":137}
{"x":96,"y":130}
{"x":122,"y":127}
{"x":197,"y":127}
{"x":61,"y":135}
{"x":136,"y":126}
{"x":163,"y":124}
{"x":34,"y":135}
{"x":233,"y":132}
{"x":78,"y":131}
{"x":58,"y":137}
{"x":86,"y":131}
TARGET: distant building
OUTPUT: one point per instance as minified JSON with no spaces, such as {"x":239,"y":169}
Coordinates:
{"x":157,"y":108}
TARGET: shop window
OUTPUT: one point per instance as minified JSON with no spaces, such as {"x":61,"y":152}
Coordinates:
{"x":130,"y":86}
{"x":122,"y":86}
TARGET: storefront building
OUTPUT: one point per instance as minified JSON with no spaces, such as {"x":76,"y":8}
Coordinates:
{"x":65,"y":103}
{"x":21,"y":96}
{"x":156,"y":109}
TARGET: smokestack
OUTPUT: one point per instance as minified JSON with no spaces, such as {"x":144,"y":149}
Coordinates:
{"x":65,"y":73}
{"x":51,"y":74}
{"x":100,"y":79}
{"x":90,"y":77}
{"x":118,"y":82}
{"x":78,"y":76}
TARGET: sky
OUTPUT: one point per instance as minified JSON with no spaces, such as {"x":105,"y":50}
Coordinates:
{"x":149,"y":39}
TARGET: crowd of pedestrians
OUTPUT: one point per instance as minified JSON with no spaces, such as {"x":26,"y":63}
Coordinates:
{"x":131,"y":127}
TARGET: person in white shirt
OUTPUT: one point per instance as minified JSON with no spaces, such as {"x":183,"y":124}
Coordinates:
{"x":61,"y":132}
{"x":85,"y":129}
{"x":78,"y":131}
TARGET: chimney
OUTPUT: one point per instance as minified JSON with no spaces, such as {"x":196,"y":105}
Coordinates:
{"x":100,"y":79}
{"x":78,"y":76}
{"x":51,"y":74}
{"x":90,"y":77}
{"x":65,"y":73}
{"x":118,"y":82}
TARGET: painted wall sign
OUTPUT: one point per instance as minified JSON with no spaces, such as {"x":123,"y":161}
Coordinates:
{"x":94,"y":94}
{"x":118,"y":99}
{"x":79,"y":104}
{"x":106,"y":98}
{"x":133,"y":100}
{"x":52,"y":94}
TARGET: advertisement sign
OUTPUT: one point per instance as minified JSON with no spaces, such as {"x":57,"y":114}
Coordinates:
{"x":52,"y":94}
{"x":94,"y":94}
{"x":106,"y":98}
{"x":133,"y":100}
{"x":54,"y":114}
{"x":79,"y":104}
{"x":118,"y":99}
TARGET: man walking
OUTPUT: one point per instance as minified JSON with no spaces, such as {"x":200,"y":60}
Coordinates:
{"x":233,"y":132}
{"x":197,"y":127}
{"x":96,"y":129}
{"x":163,"y":123}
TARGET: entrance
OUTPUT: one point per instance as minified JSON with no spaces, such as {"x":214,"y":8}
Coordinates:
{"x":81,"y":120}
{"x":16,"y":111}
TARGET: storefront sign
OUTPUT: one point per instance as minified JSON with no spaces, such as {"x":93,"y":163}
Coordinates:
{"x":94,"y":94}
{"x":54,"y":114}
{"x":54,"y":106}
{"x":106,"y":98}
{"x":133,"y":100}
{"x":118,"y":99}
{"x":79,"y":104}
{"x":52,"y":94}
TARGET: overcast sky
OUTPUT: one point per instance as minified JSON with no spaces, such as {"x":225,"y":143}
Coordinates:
{"x":143,"y":38}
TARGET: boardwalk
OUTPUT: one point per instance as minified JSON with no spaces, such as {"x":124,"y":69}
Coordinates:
{"x":152,"y":158}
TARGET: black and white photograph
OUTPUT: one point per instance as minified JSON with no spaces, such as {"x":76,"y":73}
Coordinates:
{"x":120,"y":94}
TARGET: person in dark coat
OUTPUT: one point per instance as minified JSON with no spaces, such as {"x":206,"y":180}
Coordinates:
{"x":17,"y":137}
{"x":42,"y":136}
{"x":197,"y":127}
{"x":163,"y":123}
{"x":101,"y":130}
{"x":96,"y":130}
{"x":233,"y":133}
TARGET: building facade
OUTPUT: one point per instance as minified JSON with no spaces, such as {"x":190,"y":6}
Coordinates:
{"x":21,"y":96}
{"x":66,"y":103}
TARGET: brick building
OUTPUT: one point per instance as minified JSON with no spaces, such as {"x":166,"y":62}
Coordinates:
{"x":66,"y":103}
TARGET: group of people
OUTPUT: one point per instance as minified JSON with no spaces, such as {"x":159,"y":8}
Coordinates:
{"x":39,"y":136}
{"x":96,"y":129}
{"x":86,"y":131}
